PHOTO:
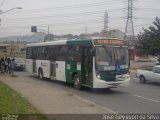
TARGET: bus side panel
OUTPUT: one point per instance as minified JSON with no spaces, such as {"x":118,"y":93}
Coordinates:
{"x":29,"y":65}
{"x":45,"y":65}
{"x":60,"y":71}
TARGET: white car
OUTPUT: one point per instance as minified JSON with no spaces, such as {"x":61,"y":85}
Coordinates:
{"x":20,"y":64}
{"x":146,"y":75}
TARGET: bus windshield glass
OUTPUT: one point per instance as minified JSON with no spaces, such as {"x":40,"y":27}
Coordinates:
{"x":107,"y":57}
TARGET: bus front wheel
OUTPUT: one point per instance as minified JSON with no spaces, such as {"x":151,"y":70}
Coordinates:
{"x":77,"y":83}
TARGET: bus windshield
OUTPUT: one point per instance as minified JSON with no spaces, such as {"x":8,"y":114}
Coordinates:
{"x":107,"y":57}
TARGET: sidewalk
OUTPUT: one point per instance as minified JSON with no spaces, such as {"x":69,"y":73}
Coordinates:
{"x":49,"y":99}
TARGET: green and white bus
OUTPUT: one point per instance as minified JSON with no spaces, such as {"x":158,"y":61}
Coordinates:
{"x":95,"y":63}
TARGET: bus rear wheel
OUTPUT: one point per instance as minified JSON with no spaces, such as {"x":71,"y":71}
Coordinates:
{"x":77,"y":83}
{"x":40,"y":74}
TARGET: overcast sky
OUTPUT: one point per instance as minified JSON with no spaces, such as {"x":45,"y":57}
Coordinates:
{"x":73,"y":16}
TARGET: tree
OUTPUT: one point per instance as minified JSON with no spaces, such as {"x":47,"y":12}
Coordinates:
{"x":149,"y":39}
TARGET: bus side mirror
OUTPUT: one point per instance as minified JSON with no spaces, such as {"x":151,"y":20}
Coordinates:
{"x":93,"y":52}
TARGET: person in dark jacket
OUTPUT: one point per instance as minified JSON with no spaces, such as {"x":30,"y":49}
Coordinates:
{"x":2,"y":65}
{"x":9,"y":66}
{"x":5,"y":65}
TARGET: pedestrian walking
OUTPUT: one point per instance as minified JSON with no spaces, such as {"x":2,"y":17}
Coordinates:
{"x":2,"y":65}
{"x":9,"y":65}
{"x":5,"y":65}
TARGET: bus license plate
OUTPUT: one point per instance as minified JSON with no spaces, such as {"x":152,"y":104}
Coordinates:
{"x":115,"y":84}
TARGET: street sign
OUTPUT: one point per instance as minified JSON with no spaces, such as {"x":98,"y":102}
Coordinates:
{"x":33,"y":28}
{"x":118,"y":68}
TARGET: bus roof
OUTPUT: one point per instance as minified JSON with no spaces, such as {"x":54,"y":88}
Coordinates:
{"x":62,"y":42}
{"x":80,"y":41}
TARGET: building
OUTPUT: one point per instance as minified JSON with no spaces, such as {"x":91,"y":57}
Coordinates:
{"x":12,"y":48}
{"x":4,"y":48}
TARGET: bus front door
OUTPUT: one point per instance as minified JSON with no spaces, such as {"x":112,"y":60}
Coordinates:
{"x":87,"y":66}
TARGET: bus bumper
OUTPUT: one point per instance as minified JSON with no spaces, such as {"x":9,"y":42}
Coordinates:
{"x":98,"y":83}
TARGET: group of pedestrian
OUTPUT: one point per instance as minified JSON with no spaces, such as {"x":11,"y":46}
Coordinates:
{"x":7,"y":65}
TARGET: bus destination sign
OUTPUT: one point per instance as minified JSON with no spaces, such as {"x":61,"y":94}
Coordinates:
{"x":109,"y":42}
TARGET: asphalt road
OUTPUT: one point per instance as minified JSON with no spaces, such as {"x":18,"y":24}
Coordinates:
{"x":136,"y":98}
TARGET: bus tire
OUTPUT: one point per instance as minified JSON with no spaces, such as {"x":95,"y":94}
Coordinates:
{"x":77,"y":82}
{"x":40,"y":74}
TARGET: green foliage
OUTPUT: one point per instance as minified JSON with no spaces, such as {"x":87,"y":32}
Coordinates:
{"x":14,"y":104}
{"x":149,"y":39}
{"x":140,"y":52}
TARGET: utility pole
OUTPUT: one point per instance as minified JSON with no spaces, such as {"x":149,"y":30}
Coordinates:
{"x":106,"y":21}
{"x":129,"y":30}
{"x":49,"y":37}
{"x":105,"y":27}
{"x":17,"y":45}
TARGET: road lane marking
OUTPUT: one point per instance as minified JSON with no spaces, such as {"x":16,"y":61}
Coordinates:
{"x":146,"y":98}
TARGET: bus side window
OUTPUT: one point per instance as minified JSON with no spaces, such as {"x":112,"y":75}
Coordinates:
{"x":74,"y":53}
{"x":61,"y":53}
{"x":52,"y":53}
{"x":34,"y":51}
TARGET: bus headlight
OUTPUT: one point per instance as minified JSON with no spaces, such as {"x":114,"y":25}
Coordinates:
{"x":127,"y":76}
{"x":122,"y":77}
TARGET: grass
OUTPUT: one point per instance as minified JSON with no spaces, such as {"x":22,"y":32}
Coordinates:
{"x":12,"y":102}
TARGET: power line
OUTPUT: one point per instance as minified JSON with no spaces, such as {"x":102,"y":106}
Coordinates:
{"x":71,"y":30}
{"x":53,"y":16}
{"x":71,"y":21}
{"x":136,"y":26}
{"x":56,"y":24}
{"x":63,"y":15}
{"x":67,"y":7}
{"x":149,"y":9}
